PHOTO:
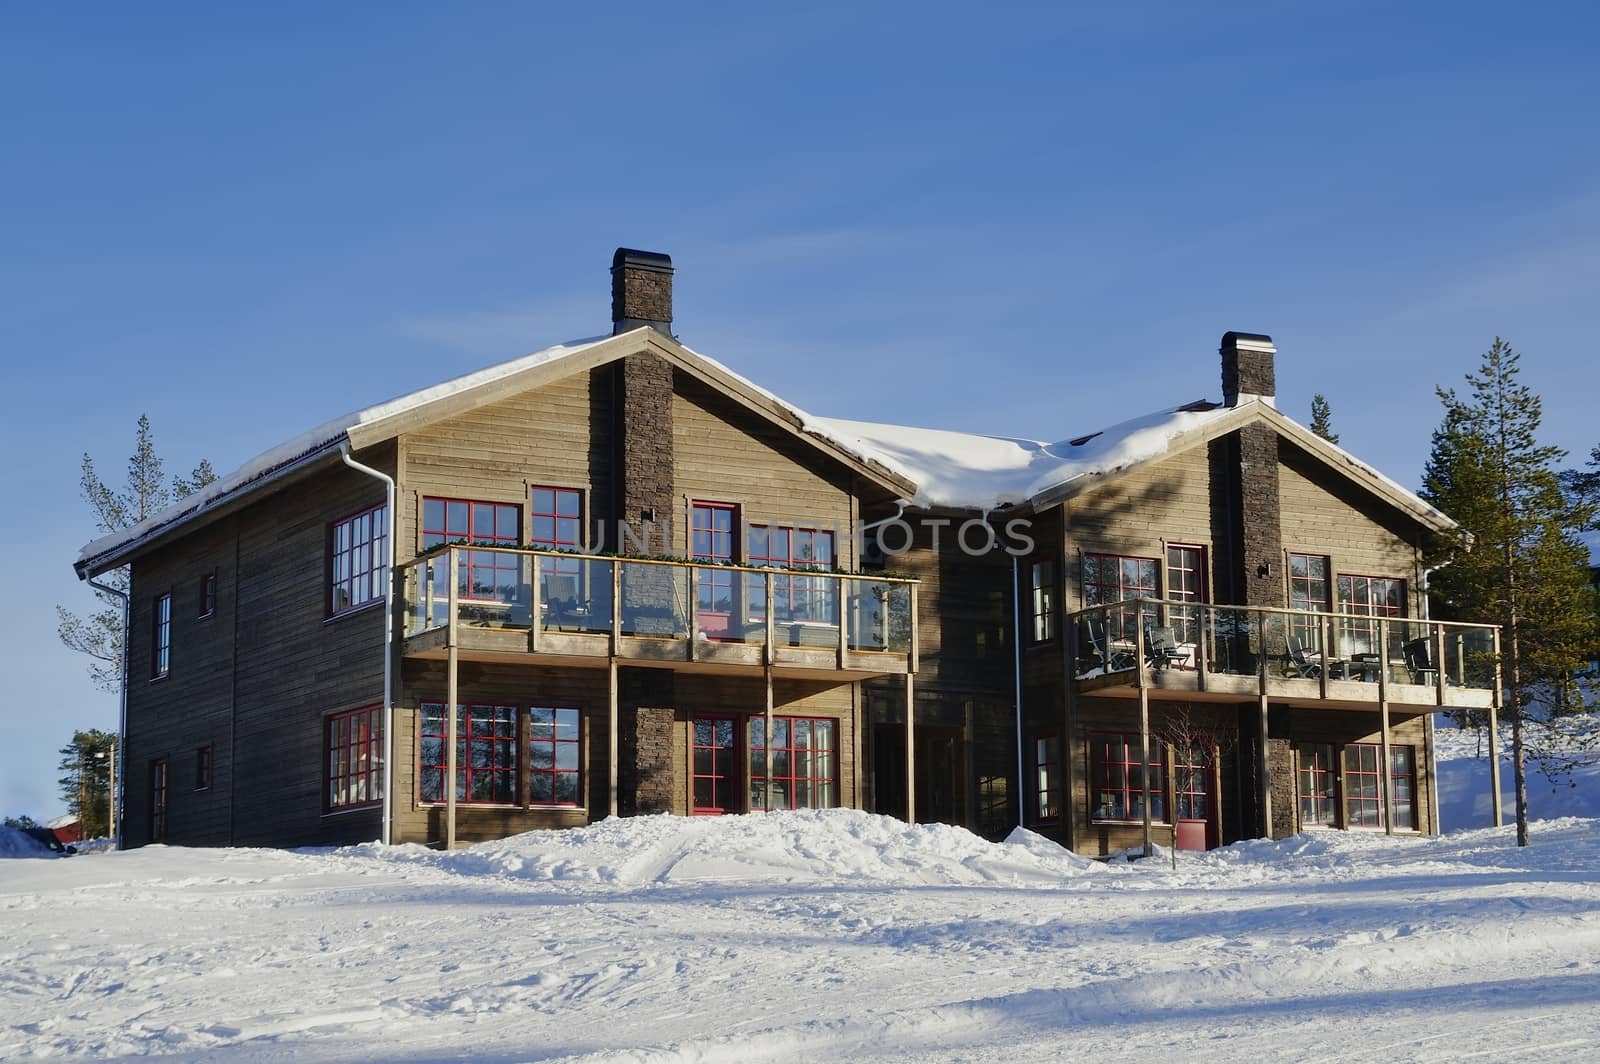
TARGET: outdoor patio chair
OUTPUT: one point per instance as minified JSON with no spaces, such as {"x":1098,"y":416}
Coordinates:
{"x":1161,"y":648}
{"x":1419,"y":662}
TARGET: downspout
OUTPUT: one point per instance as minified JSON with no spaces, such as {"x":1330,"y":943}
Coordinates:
{"x":388,"y":642}
{"x":1016,"y":651}
{"x":121,"y":770}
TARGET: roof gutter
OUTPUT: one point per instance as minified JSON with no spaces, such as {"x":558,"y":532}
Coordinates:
{"x":386,"y":831}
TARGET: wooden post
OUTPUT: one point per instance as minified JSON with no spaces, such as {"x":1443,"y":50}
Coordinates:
{"x":450,"y":702}
{"x":694,"y":610}
{"x":1202,"y":663}
{"x":1263,"y":767}
{"x":1438,"y":660}
{"x":766,"y":675}
{"x":1069,"y":810}
{"x":613,"y":759}
{"x":1322,"y":637}
{"x":840,"y":591}
{"x":1144,"y":722}
{"x":534,"y":621}
{"x":1385,"y":787}
{"x":1494,"y":734}
{"x":911,"y":750}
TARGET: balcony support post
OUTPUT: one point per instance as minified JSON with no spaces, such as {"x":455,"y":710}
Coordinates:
{"x":1494,"y":734}
{"x":451,"y":696}
{"x":766,"y":682}
{"x":535,"y":622}
{"x":1263,"y":766}
{"x":694,"y":612}
{"x":840,"y":593}
{"x":1437,"y":652}
{"x":613,"y":760}
{"x":1144,"y":722}
{"x":766,"y":673}
{"x":911,"y":749}
{"x":1385,"y":783}
{"x":1069,"y":809}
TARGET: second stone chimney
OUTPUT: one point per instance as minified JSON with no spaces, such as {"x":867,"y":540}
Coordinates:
{"x":641,"y":291}
{"x":1247,"y":371}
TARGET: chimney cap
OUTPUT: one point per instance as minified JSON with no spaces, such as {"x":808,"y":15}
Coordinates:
{"x":1248,"y":341}
{"x":641,"y":260}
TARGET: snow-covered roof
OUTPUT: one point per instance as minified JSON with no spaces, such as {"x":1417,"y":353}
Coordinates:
{"x":967,"y":471}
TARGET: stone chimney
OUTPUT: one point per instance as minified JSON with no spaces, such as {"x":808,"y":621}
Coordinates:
{"x":1247,"y":368}
{"x":641,"y":291}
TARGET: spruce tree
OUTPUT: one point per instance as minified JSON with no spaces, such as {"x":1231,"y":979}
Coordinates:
{"x":1322,"y":418}
{"x":1515,"y":560}
{"x":99,"y":635}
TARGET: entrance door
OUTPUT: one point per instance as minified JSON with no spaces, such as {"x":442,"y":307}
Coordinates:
{"x":938,"y":776}
{"x":714,"y":766}
{"x":1193,"y":772}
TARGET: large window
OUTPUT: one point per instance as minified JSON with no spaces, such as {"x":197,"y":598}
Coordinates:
{"x":486,"y":754}
{"x":359,"y":572}
{"x":713,"y":766}
{"x":796,"y":598}
{"x":555,"y":748}
{"x":1368,"y":596}
{"x":1119,"y":784}
{"x":1363,"y":786}
{"x":556,"y":523}
{"x":804,"y":763}
{"x":161,"y":637}
{"x":712,"y":534}
{"x":1042,"y":600}
{"x":1403,"y":784}
{"x":353,"y":743}
{"x":1111,"y":578}
{"x":1186,"y":582}
{"x":483,"y":574}
{"x":1308,"y":592}
{"x":1046,"y":777}
{"x":1319,"y":784}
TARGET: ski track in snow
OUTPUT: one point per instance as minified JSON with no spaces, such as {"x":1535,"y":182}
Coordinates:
{"x":837,"y":936}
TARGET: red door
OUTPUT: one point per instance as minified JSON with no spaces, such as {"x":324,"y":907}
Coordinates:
{"x":714,"y":765}
{"x":1196,"y":799}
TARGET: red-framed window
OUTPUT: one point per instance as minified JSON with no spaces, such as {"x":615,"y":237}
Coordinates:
{"x":1119,"y":784}
{"x":1403,"y":784}
{"x":1308,"y":592}
{"x":1111,"y":578}
{"x":1363,"y":786}
{"x":202,"y":768}
{"x":208,"y":596}
{"x":1186,"y":582}
{"x":359,"y":569}
{"x":353,"y":752}
{"x":555,"y":749}
{"x":485,"y":575}
{"x":1368,"y":596}
{"x":796,"y":598}
{"x":158,"y":800}
{"x":714,"y":538}
{"x":1042,"y":600}
{"x":486,"y":754}
{"x":1191,"y":779}
{"x":713,"y":766}
{"x":1046,"y":777}
{"x":1319,"y":784}
{"x":805,"y":763}
{"x":161,"y":637}
{"x":555,"y":519}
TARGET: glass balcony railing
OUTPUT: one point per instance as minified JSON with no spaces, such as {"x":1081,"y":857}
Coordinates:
{"x":653,"y":599}
{"x":1275,"y":642}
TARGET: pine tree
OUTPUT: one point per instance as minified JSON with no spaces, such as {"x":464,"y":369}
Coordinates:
{"x":1322,"y":418}
{"x":99,"y":635}
{"x":1515,"y":560}
{"x":86,"y":780}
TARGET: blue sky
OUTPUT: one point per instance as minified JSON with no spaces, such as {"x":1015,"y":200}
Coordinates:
{"x":1022,"y":220}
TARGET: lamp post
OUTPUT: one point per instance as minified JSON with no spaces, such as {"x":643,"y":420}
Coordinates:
{"x":111,"y":790}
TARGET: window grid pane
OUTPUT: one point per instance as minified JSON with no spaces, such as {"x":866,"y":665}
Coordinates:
{"x":804,"y":763}
{"x":555,"y":738}
{"x":360,"y":563}
{"x":485,"y":575}
{"x":354,"y":744}
{"x":486,"y":754}
{"x":1119,"y":781}
{"x":1111,"y":578}
{"x":796,"y":598}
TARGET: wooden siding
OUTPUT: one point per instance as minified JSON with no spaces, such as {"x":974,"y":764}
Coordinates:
{"x":724,"y":453}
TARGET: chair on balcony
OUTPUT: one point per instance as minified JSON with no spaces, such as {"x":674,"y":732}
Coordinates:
{"x":1095,"y":652}
{"x":1307,"y":664}
{"x":1161,"y":648}
{"x":1419,"y":662}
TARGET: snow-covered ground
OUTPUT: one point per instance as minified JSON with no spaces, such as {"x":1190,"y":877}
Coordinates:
{"x":1465,"y":790}
{"x":809,"y":936}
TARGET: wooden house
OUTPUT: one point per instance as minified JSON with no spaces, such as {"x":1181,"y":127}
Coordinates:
{"x":648,"y":585}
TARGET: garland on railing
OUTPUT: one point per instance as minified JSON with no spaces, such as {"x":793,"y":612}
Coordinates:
{"x":677,"y":559}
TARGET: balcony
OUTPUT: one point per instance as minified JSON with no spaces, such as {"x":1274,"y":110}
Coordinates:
{"x":559,"y":608}
{"x":1185,"y":650}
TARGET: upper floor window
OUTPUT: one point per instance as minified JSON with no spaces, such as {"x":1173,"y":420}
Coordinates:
{"x":359,"y":572}
{"x":712,"y":539}
{"x":161,"y":637}
{"x":1367,"y":596}
{"x":556,"y":517}
{"x":1186,"y":582}
{"x":1308,"y":591}
{"x":208,"y":595}
{"x":353,"y":754}
{"x":481,"y":574}
{"x":1042,"y":600}
{"x":796,"y":598}
{"x":1111,"y":578}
